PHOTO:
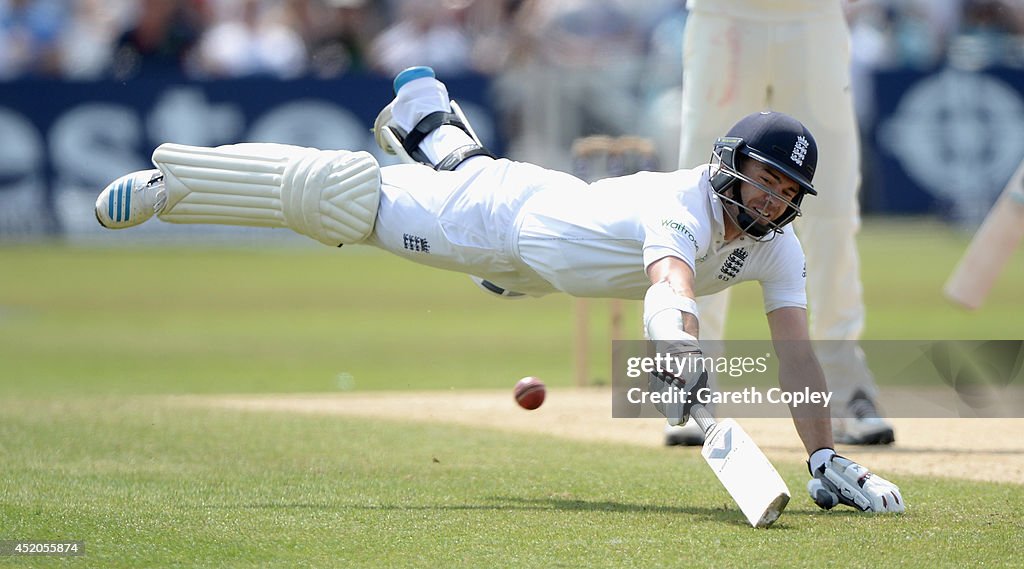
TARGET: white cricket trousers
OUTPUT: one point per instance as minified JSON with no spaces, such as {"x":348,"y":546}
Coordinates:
{"x":465,"y":220}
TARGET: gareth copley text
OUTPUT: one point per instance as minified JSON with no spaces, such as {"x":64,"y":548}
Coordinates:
{"x":748,"y":395}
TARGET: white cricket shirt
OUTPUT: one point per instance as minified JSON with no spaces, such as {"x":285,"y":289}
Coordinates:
{"x":598,"y":240}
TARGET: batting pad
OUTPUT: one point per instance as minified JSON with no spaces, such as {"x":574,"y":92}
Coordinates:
{"x":329,"y":195}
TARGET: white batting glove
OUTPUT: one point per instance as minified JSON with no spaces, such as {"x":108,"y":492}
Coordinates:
{"x":842,"y":481}
{"x":679,"y":388}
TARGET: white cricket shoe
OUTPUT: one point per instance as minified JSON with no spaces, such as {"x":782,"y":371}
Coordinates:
{"x":864,"y":425}
{"x":131,"y":199}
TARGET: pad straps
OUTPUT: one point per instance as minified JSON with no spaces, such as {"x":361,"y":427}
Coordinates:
{"x":427,"y":125}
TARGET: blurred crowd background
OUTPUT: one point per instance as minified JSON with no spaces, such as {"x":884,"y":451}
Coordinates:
{"x":287,"y":39}
{"x":634,"y":46}
{"x":557,"y":69}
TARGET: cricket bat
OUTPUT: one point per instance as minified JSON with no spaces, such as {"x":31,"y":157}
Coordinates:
{"x":991,"y":247}
{"x":743,"y":469}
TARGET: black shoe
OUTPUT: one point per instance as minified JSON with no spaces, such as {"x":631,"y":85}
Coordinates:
{"x":863,"y":425}
{"x":688,"y":435}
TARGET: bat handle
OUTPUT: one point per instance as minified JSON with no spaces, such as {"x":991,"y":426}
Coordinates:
{"x":462,"y":117}
{"x":703,"y":417}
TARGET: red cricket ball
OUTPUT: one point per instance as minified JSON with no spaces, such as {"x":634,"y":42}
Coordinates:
{"x":529,"y":392}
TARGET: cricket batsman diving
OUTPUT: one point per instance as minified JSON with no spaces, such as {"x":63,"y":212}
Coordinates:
{"x":660,"y":237}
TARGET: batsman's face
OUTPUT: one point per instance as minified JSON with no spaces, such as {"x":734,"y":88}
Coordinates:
{"x":767,"y":192}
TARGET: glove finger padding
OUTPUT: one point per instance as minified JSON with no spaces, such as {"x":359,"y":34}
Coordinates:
{"x":674,"y":402}
{"x":678,"y":389}
{"x":842,"y":481}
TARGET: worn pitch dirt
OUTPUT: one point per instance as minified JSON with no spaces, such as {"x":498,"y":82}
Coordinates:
{"x":973,"y":449}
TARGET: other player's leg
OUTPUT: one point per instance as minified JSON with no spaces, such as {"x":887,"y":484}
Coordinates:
{"x":719,"y":87}
{"x":818,"y":91}
{"x":834,"y":286}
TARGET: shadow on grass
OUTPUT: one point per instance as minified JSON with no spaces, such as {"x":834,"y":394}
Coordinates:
{"x":720,"y":514}
{"x":724,"y":514}
{"x":511,"y":504}
{"x":729,"y":515}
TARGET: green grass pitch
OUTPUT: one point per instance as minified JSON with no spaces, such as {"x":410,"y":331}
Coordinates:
{"x":92,"y":340}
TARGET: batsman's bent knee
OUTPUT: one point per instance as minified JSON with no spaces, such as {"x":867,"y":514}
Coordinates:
{"x":332,"y":196}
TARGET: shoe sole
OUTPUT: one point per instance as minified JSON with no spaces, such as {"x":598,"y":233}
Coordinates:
{"x":116,"y":202}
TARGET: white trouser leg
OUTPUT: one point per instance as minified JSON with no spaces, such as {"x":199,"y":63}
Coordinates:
{"x":460,"y":220}
{"x":835,"y":296}
{"x":820,"y":96}
{"x":720,"y":85}
{"x":328,"y":195}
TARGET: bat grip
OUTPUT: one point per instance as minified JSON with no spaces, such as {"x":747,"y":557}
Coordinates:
{"x":703,"y":417}
{"x":462,"y":117}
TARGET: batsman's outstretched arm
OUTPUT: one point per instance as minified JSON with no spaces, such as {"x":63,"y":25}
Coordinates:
{"x":670,"y":322}
{"x":834,"y":479}
{"x":675,"y":278}
{"x":799,"y":368}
